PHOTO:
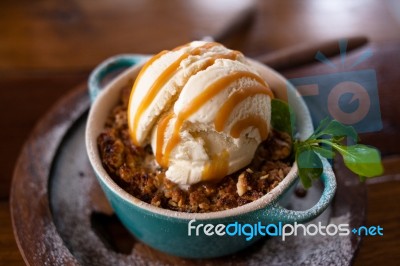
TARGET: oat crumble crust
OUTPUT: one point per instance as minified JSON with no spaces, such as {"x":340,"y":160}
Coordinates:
{"x":135,"y":170}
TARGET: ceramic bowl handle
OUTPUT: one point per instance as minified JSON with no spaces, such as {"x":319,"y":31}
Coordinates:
{"x":279,"y":214}
{"x":110,"y":65}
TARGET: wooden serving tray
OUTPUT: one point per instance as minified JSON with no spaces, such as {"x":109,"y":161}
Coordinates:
{"x":61,"y":217}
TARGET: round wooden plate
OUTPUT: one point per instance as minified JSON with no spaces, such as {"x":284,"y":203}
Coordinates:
{"x":61,"y":217}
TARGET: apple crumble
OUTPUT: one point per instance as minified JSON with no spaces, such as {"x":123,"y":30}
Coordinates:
{"x":136,"y":171}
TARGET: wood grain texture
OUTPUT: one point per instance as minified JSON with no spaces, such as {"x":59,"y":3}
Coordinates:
{"x":383,"y":209}
{"x":24,"y":98}
{"x":79,"y":34}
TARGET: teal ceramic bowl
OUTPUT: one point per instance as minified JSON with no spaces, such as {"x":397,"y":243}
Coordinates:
{"x":167,"y":230}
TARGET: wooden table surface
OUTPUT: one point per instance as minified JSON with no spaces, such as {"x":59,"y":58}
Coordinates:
{"x":49,"y":47}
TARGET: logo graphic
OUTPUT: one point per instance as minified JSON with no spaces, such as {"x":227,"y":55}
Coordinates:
{"x":350,"y":97}
{"x":250,"y":231}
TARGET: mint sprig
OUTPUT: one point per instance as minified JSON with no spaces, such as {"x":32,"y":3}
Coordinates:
{"x":327,"y":141}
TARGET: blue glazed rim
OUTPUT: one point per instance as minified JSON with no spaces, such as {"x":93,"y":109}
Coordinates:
{"x":268,"y":202}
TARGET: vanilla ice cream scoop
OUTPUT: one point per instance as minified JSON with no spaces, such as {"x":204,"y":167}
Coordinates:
{"x":203,"y":109}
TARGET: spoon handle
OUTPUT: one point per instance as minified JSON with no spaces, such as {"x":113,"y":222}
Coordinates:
{"x":303,"y":54}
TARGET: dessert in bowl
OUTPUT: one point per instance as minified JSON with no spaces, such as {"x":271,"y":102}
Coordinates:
{"x":195,"y":121}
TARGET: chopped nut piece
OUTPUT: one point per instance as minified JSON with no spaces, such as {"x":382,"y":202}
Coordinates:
{"x":248,"y":170}
{"x":280,"y":173}
{"x":172,"y":203}
{"x":204,"y":206}
{"x":241,"y":185}
{"x":156,"y":203}
{"x":264,"y":176}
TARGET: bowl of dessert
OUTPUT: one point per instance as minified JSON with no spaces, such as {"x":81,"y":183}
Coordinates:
{"x":183,"y":146}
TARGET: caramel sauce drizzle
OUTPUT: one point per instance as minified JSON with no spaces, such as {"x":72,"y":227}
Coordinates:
{"x":160,"y":82}
{"x":199,"y":50}
{"x":251,"y":121}
{"x":161,"y":129}
{"x":155,"y":88}
{"x":217,"y":167}
{"x":211,"y":91}
{"x":240,"y":95}
{"x":142,"y":71}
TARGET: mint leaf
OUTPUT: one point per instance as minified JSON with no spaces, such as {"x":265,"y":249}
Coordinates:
{"x":282,"y":118}
{"x":322,"y":124}
{"x":310,"y":166}
{"x":337,"y":129}
{"x":324,"y":152}
{"x":361,"y":159}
